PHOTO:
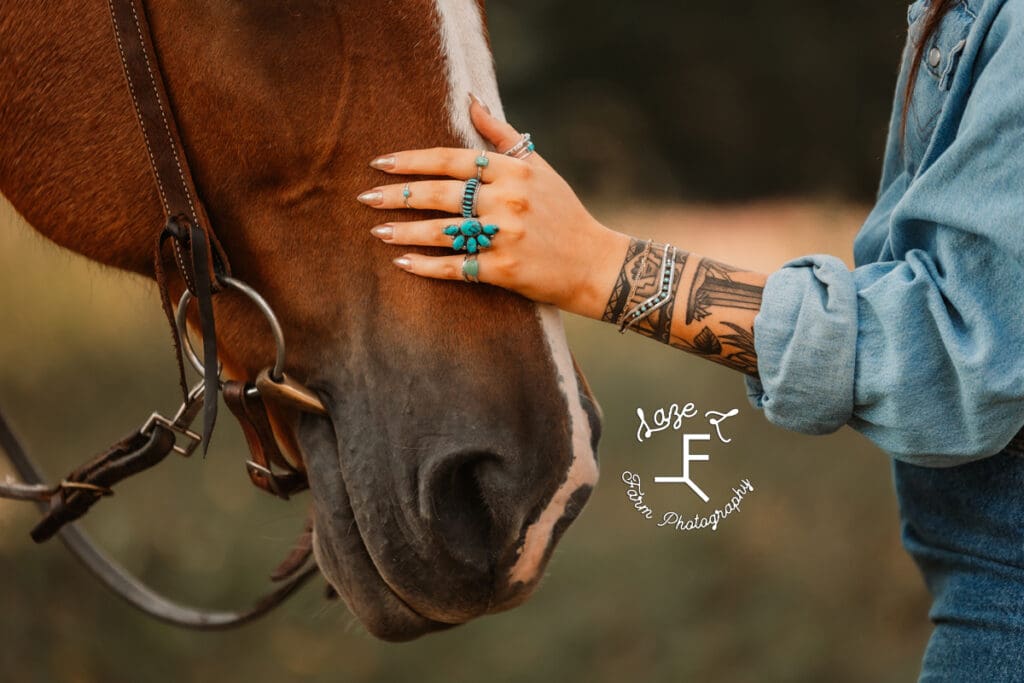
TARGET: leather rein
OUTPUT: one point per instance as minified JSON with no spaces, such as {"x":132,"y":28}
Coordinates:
{"x":204,"y":268}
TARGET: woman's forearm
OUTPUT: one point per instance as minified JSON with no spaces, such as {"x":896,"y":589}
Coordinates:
{"x":547,"y":247}
{"x":692,"y":303}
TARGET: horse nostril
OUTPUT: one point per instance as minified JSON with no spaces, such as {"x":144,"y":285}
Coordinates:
{"x":462,"y":496}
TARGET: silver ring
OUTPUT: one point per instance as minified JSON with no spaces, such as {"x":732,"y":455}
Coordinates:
{"x":473,"y":213}
{"x":470,"y":268}
{"x":406,"y":193}
{"x":469,"y":193}
{"x":482,"y":162}
{"x":522,"y":148}
{"x":277,"y":373}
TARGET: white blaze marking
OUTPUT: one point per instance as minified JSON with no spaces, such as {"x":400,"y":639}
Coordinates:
{"x":471,"y":70}
{"x":582,"y":470}
{"x":470,"y":66}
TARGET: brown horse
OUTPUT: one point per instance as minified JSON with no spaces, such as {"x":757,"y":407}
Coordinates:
{"x":461,"y":439}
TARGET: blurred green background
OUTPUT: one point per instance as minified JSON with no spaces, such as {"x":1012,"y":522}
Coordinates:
{"x":704,"y":100}
{"x":670,"y":117}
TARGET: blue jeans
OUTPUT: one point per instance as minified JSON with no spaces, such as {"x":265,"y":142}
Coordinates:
{"x":964,"y":526}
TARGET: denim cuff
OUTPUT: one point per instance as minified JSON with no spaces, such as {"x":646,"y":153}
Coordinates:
{"x":806,"y":341}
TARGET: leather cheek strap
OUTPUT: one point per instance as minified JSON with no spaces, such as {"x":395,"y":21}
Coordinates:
{"x":251,"y":412}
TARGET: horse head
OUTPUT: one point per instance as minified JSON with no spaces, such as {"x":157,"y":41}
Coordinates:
{"x":461,"y":439}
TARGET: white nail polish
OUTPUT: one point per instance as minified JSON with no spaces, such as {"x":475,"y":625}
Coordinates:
{"x":372,"y":198}
{"x":383,"y":163}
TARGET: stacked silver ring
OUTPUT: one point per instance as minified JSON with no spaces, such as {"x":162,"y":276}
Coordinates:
{"x":522,"y":149}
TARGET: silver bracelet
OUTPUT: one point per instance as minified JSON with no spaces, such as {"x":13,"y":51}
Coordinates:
{"x":645,"y":309}
{"x":637,"y":274}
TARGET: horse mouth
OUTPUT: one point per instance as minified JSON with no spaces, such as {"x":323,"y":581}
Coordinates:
{"x":357,"y":561}
{"x":405,"y":564}
{"x":442,"y":517}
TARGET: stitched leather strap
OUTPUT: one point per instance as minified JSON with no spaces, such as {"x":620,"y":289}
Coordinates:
{"x":156,"y":119}
{"x":133,"y":454}
{"x":197,"y":252}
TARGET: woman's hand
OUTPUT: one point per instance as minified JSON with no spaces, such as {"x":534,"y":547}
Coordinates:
{"x":548,"y":248}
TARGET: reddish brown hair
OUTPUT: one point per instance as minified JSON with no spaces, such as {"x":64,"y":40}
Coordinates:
{"x":933,"y":17}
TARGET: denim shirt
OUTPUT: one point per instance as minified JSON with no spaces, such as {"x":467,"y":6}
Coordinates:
{"x":921,"y":346}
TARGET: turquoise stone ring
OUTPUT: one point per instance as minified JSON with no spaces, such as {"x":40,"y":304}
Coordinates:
{"x":469,"y":197}
{"x":481,"y":162}
{"x":470,"y":268}
{"x":471,"y":236}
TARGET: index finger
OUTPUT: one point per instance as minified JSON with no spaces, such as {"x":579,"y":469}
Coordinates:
{"x":446,"y":161}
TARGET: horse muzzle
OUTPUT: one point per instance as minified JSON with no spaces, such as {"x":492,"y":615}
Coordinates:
{"x":423,"y":535}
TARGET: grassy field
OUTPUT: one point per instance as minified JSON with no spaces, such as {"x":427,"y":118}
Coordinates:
{"x":806,"y":583}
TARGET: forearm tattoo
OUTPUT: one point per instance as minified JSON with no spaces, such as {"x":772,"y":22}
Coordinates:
{"x":658,"y":273}
{"x":639,"y":281}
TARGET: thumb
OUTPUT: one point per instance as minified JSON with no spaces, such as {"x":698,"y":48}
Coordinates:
{"x":497,"y":132}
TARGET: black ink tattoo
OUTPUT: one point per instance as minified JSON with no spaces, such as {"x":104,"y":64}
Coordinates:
{"x":618,"y":302}
{"x":706,"y":343}
{"x":639,"y":280}
{"x":745,"y":358}
{"x":714,"y":347}
{"x":714,"y":286}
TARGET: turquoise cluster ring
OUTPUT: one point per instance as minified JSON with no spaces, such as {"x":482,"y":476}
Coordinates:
{"x":471,"y":236}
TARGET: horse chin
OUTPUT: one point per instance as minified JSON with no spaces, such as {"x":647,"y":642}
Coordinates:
{"x":340,"y":550}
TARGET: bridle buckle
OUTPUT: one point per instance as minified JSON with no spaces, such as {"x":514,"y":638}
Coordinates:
{"x":258,"y":472}
{"x":192,"y":439}
{"x":180,"y":424}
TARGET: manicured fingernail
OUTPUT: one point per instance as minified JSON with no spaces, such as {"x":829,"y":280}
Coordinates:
{"x":384,"y":232}
{"x":383,"y":163}
{"x":476,"y":99}
{"x":373,"y":197}
{"x":403,"y":263}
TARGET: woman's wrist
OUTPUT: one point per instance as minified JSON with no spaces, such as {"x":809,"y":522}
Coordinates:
{"x":599,"y":259}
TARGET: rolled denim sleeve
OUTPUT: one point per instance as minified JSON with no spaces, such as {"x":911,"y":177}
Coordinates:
{"x":807,"y":323}
{"x":921,"y":351}
{"x":924,"y":356}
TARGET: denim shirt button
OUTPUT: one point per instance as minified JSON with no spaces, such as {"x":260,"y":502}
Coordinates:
{"x":934,"y":57}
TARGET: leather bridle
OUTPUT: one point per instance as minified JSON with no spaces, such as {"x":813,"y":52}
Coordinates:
{"x":203,"y":266}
